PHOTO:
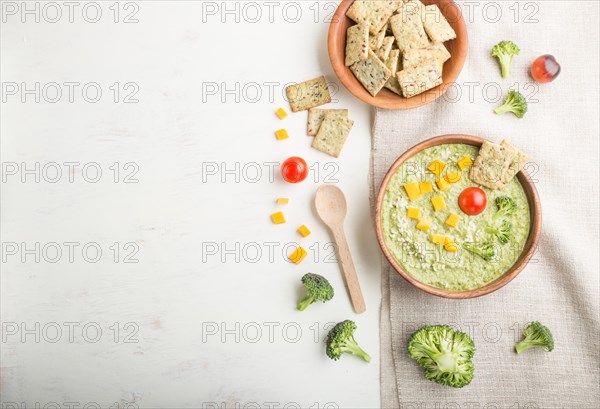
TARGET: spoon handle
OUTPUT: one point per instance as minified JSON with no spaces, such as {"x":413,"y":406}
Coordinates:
{"x":345,"y":258}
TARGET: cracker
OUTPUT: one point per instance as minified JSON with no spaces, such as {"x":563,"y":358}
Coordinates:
{"x":384,"y":51}
{"x":372,"y":73}
{"x":400,"y":3}
{"x":491,"y":164}
{"x":436,"y":26}
{"x":441,"y":51}
{"x":414,"y":57}
{"x":407,"y":27}
{"x":357,"y":43}
{"x":417,"y":80}
{"x":332,"y":134}
{"x":412,"y":7}
{"x":392,"y":63}
{"x":308,"y":94}
{"x":376,"y":40}
{"x":394,"y":87}
{"x":376,"y":13}
{"x":516,"y":165}
{"x":316,"y":116}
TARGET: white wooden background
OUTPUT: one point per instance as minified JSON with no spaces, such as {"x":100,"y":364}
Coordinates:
{"x":188,"y":308}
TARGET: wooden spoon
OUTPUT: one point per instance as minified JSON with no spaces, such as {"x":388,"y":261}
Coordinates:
{"x":331,"y":207}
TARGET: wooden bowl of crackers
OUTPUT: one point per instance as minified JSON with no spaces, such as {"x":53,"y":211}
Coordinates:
{"x":370,"y":42}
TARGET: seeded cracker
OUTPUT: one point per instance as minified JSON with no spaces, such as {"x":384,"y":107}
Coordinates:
{"x":384,"y":51}
{"x":408,"y":27}
{"x":357,"y":43}
{"x":372,"y":73}
{"x":516,"y":165}
{"x":392,"y":63}
{"x":316,"y":116}
{"x":416,"y":56}
{"x":417,"y":80}
{"x":375,"y":41}
{"x":436,"y":26}
{"x":442,"y":52}
{"x":308,"y":94}
{"x":376,"y":13}
{"x":332,"y":134}
{"x":491,"y":164}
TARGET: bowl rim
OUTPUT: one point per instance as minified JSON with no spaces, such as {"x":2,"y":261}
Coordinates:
{"x":530,"y":246}
{"x":399,"y":103}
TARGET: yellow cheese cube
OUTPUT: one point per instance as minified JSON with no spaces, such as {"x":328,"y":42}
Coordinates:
{"x":281,"y":113}
{"x":303,"y":230}
{"x":278,"y":218}
{"x":282,"y":200}
{"x":437,"y":239}
{"x":452,"y":220}
{"x":438,"y":203}
{"x":425,"y":187}
{"x":442,"y":184}
{"x":424,"y":224}
{"x":437,"y":167}
{"x":450,"y":245}
{"x":413,"y":213}
{"x":412,"y":190}
{"x":464,"y":163}
{"x":453,"y":177}
{"x":281,"y":134}
{"x":298,"y":255}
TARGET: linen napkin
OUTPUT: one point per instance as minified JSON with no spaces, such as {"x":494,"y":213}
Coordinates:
{"x":560,"y":285}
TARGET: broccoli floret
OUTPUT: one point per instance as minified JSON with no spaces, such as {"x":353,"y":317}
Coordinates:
{"x":503,"y":233}
{"x":317,"y":288}
{"x":341,"y":340}
{"x":444,"y":353}
{"x":536,"y":336}
{"x":504,"y":51}
{"x":515,"y":102}
{"x":506,"y":206}
{"x":484,"y":250}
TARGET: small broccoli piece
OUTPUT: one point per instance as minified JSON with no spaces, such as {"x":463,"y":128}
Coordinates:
{"x":504,"y":51}
{"x":444,"y":353}
{"x":515,"y":102}
{"x":317,"y":288}
{"x":506,"y":206}
{"x":341,"y":340}
{"x":503,"y":233}
{"x":536,"y":336}
{"x":484,"y":250}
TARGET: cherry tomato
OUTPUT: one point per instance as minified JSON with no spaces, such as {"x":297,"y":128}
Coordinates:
{"x":472,"y":201}
{"x":294,"y":169}
{"x":545,"y":69}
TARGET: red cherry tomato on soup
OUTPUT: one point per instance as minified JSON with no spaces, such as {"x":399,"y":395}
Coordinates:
{"x":294,"y":169}
{"x":472,"y":201}
{"x":545,"y":69}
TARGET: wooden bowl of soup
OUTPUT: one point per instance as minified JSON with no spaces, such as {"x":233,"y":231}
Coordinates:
{"x":420,"y":257}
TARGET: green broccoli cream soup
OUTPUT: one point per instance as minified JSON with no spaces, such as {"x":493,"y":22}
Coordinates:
{"x":482,"y":247}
